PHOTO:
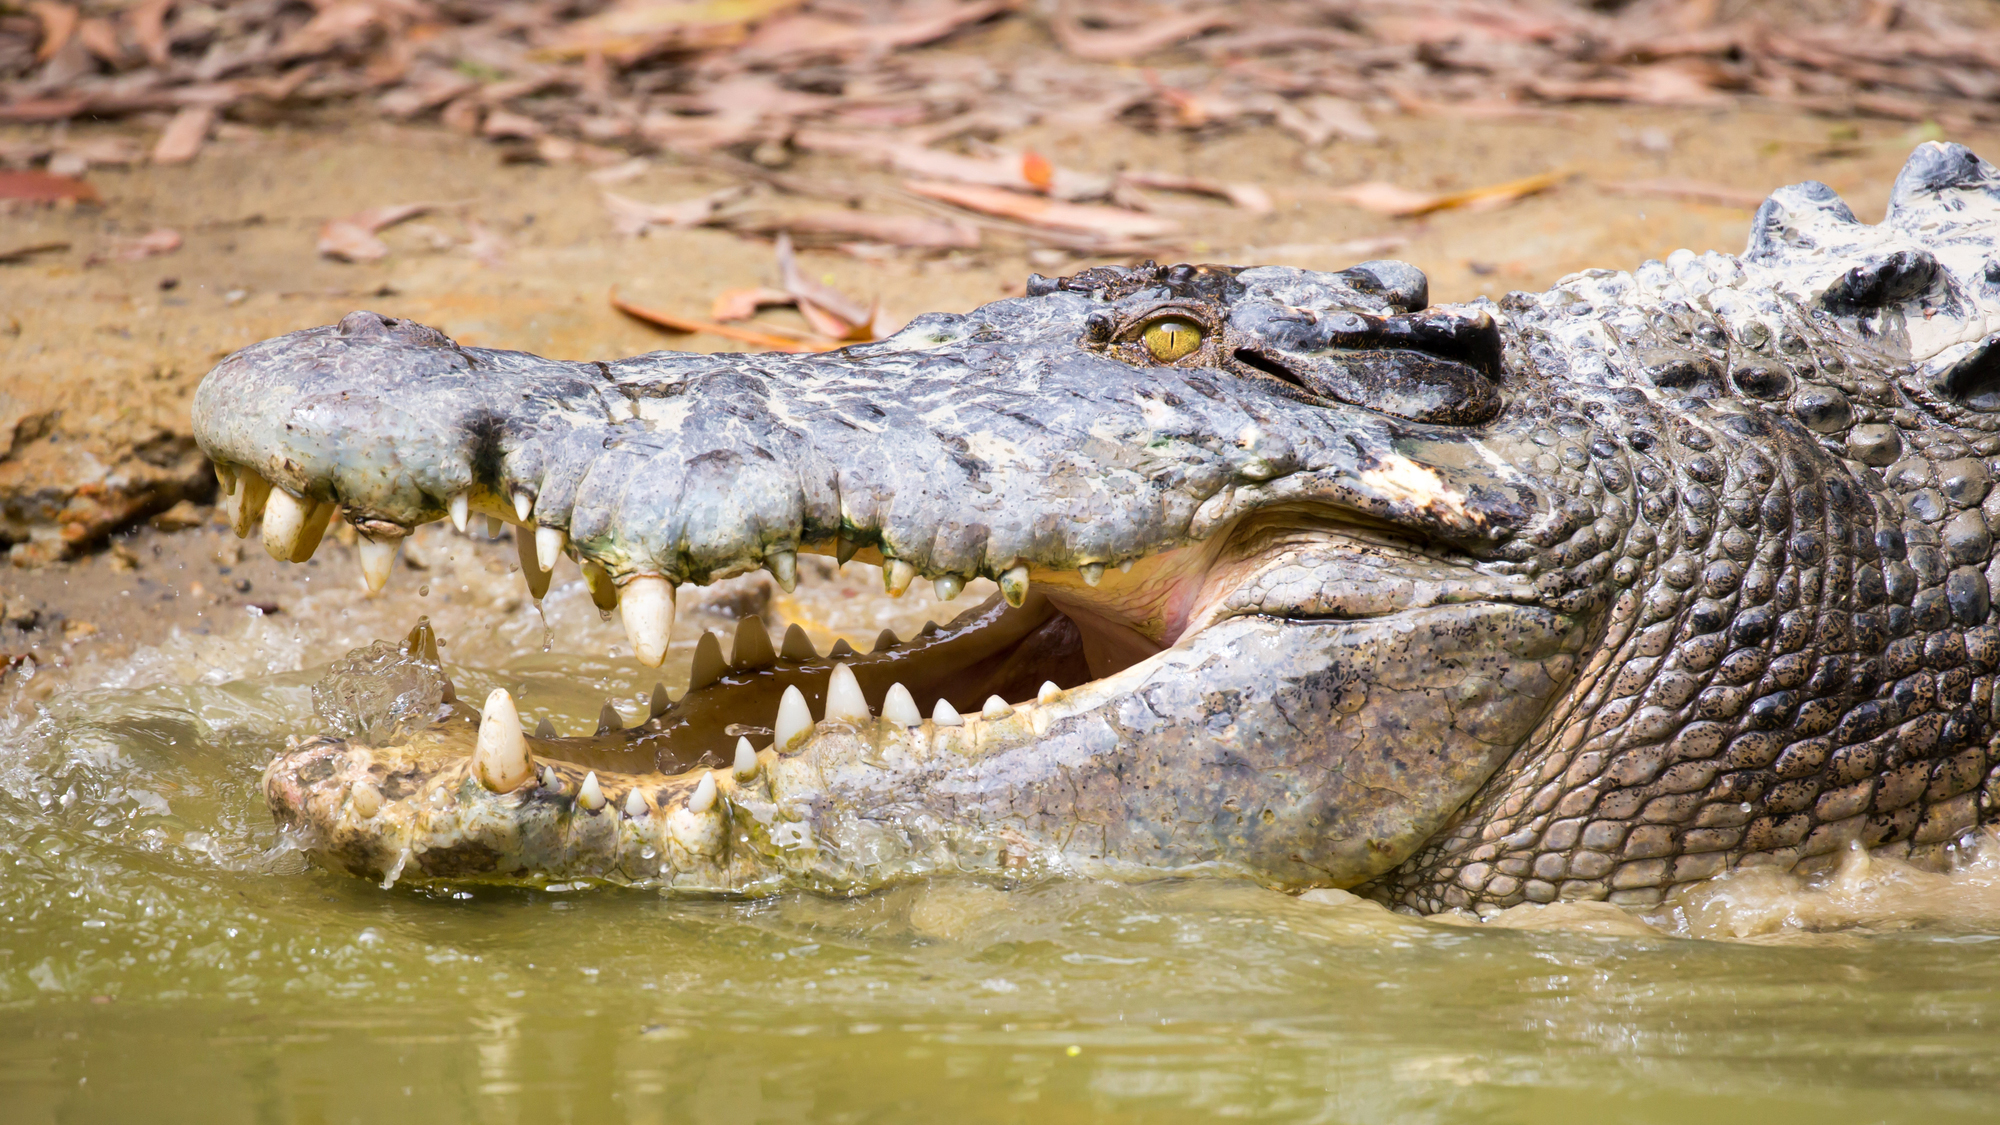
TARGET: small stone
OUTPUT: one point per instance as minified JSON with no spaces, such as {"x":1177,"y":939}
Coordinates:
{"x":181,"y":517}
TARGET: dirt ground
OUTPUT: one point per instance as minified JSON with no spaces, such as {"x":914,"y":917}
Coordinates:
{"x":99,"y":359}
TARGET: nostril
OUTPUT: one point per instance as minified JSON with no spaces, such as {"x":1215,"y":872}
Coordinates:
{"x":1250,"y":357}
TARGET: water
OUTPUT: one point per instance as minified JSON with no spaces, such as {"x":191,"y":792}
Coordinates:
{"x":163,"y":956}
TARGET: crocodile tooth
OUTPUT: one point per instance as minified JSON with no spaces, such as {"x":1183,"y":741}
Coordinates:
{"x":794,"y":721}
{"x":284,"y":518}
{"x":703,"y":797}
{"x":844,"y":701}
{"x":745,"y":766}
{"x":315,"y":528}
{"x":784,"y":566}
{"x":646,"y":603}
{"x":995,"y":708}
{"x":945,"y":715}
{"x":947,"y":587}
{"x":635,"y":804}
{"x":929,"y":630}
{"x":797,"y":646}
{"x":225,"y":478}
{"x":494,"y":526}
{"x":897,"y":576}
{"x":1125,"y":567}
{"x":884,"y":641}
{"x":365,"y":799}
{"x":545,"y":729}
{"x":843,"y":549}
{"x":549,"y":543}
{"x":899,"y":708}
{"x":500,"y":758}
{"x":246,"y":504}
{"x":1014,"y":586}
{"x":660,"y":702}
{"x":840,"y":648}
{"x":524,"y":506}
{"x":1048,"y":691}
{"x":752,"y":647}
{"x":531,"y":570}
{"x":377,"y":556}
{"x":1092,"y":573}
{"x":603,"y":591}
{"x":590,"y":795}
{"x":708,"y":664}
{"x":460,"y":508}
{"x":551,"y":780}
{"x":608,"y":719}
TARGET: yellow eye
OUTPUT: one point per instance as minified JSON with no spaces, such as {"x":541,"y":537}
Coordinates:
{"x":1171,"y":337}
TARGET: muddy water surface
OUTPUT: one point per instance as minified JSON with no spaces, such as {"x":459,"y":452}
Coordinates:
{"x":165,"y":956}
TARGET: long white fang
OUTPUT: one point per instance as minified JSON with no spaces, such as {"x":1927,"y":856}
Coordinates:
{"x":500,"y":757}
{"x":844,"y":701}
{"x":603,"y":591}
{"x":246,"y":504}
{"x":1049,"y":691}
{"x":549,"y":543}
{"x":708,"y":665}
{"x":646,"y":602}
{"x":551,"y":780}
{"x":285,"y":518}
{"x":995,"y":708}
{"x":745,"y":766}
{"x":531,"y":570}
{"x":795,"y":720}
{"x":1125,"y":567}
{"x":948,"y":586}
{"x":635,"y":804}
{"x":1014,"y":586}
{"x":494,"y":526}
{"x":590,"y":795}
{"x":898,"y":707}
{"x":784,"y":566}
{"x":460,"y":509}
{"x":1092,"y":573}
{"x":524,"y":506}
{"x":897,"y":576}
{"x":377,"y":556}
{"x":945,"y":715}
{"x":703,"y":797}
{"x":797,"y":646}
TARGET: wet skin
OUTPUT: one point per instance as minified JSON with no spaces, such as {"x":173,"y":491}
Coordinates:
{"x":1581,"y":595}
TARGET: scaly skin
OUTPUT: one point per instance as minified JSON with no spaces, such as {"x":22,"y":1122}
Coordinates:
{"x":1586,"y":594}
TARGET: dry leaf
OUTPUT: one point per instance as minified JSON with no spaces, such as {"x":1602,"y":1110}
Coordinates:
{"x":812,"y":292}
{"x":629,"y":216}
{"x":914,"y":231}
{"x":152,"y":244}
{"x":1153,"y":33}
{"x":742,"y":304}
{"x":41,"y":187}
{"x":667,"y":320}
{"x":352,"y":239}
{"x":183,"y":137}
{"x":58,"y":24}
{"x":631,"y":29}
{"x":1041,"y":211}
{"x":486,"y":244}
{"x":1249,"y":197}
{"x":148,"y":21}
{"x":1388,"y":199}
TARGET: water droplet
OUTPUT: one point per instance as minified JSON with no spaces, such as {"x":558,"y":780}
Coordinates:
{"x":424,"y":591}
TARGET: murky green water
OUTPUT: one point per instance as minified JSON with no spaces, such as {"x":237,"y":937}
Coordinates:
{"x":164,"y":957}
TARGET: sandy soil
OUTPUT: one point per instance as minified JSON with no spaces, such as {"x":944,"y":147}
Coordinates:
{"x":98,"y":361}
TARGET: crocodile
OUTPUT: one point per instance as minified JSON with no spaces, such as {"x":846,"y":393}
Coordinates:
{"x":1587,"y":594}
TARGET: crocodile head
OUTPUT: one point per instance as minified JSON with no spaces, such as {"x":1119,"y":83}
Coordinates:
{"x":1584,"y":594}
